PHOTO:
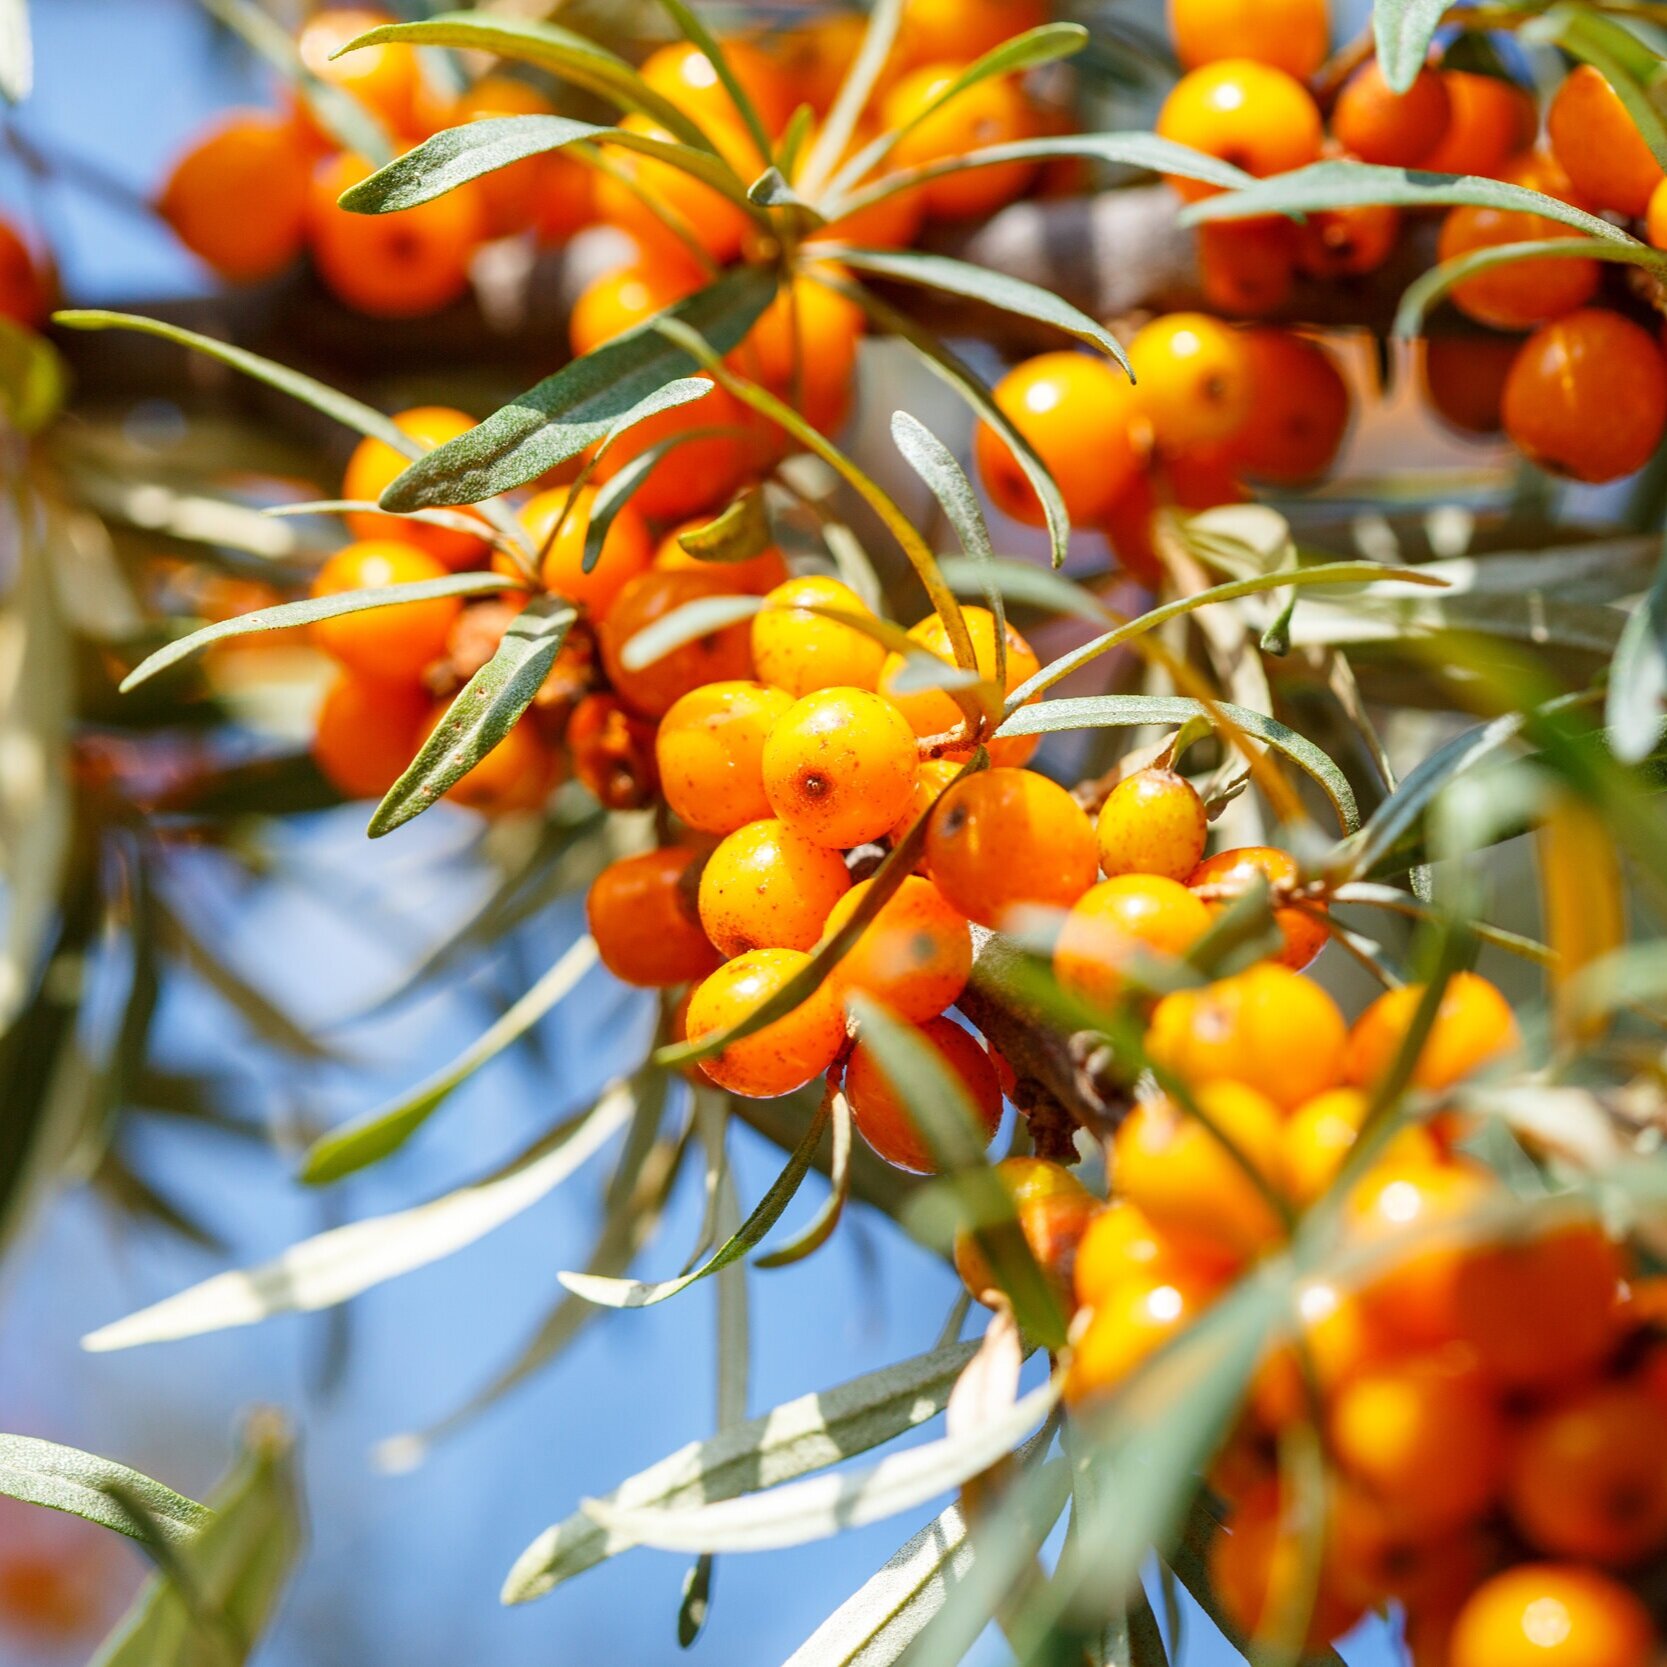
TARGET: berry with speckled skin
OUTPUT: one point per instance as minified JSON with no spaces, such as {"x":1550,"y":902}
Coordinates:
{"x":768,"y":887}
{"x":710,"y":750}
{"x":800,"y":652}
{"x":784,"y":1055}
{"x":839,"y":766}
{"x":881,"y":1116}
{"x":1153,"y":822}
{"x":915,"y":955}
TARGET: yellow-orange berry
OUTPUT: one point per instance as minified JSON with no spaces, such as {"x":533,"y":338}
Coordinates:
{"x":804,"y":347}
{"x":717,"y":656}
{"x":884,"y":1121}
{"x":398,"y":642}
{"x":617,"y":301}
{"x":932,"y":30}
{"x":1302,"y":409}
{"x":366,"y":732}
{"x":612,"y":752}
{"x":1321,"y":1132}
{"x":1053,"y":1209}
{"x":1248,"y":114}
{"x":641,"y":911}
{"x":1377,"y":124}
{"x":1122,"y":1246}
{"x":932,"y":779}
{"x":626,"y":550}
{"x":383,"y":78}
{"x":372,"y":469}
{"x":710,"y":750}
{"x":684,"y":74}
{"x":1552,"y":1615}
{"x":1112,"y":924}
{"x":1473,"y":1025}
{"x":1153,"y":822}
{"x":1131,"y":1322}
{"x":992,"y":112}
{"x":1489,"y":120}
{"x":1194,"y":378}
{"x":788,"y":1052}
{"x":767,"y":887}
{"x":915,"y":955}
{"x":1229,"y":873}
{"x":1599,"y":144}
{"x":799,"y":651}
{"x":1292,"y":35}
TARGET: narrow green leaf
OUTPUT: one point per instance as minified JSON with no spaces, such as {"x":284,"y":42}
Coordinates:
{"x":17,"y":58}
{"x":699,"y":618}
{"x":819,"y":1229}
{"x":771,"y":190}
{"x":33,"y":380}
{"x":80,"y":1484}
{"x":738,"y":532}
{"x":1023,"y":582}
{"x":385,"y":1130}
{"x":1403,"y":30}
{"x":1637,"y":692}
{"x":694,"y":30}
{"x":851,"y":102}
{"x":452,"y":520}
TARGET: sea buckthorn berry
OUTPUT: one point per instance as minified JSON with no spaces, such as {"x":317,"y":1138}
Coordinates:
{"x":1131,"y":1322}
{"x":1267,"y":1027}
{"x":1587,"y":396}
{"x":710,"y":750}
{"x":932,"y":778}
{"x":1463,"y":379}
{"x":804,"y":348}
{"x":719,"y":656}
{"x":992,"y":112}
{"x":1321,"y":1132}
{"x":1186,"y":1181}
{"x":933,"y":711}
{"x":1473,"y":1025}
{"x":617,"y":301}
{"x":789,"y":1051}
{"x":627,"y":548}
{"x":1302,"y":409}
{"x":1552,"y":1615}
{"x":1346,"y":242}
{"x":1542,"y":1308}
{"x":884,"y":1121}
{"x":1247,"y":268}
{"x":684,"y":74}
{"x":248,"y":157}
{"x":399,"y":265}
{"x":1153,"y":822}
{"x":1078,"y":411}
{"x":400,"y":642}
{"x":382,"y":78}
{"x":799,"y":651}
{"x":1292,"y":35}
{"x":1599,"y":144}
{"x":767,"y":887}
{"x":1588,"y":1477}
{"x":1194,"y":379}
{"x":1425,"y":1438}
{"x":1122,"y":1246}
{"x":1053,"y":1209}
{"x":372,"y":469}
{"x":1117,"y":921}
{"x":1183,"y":483}
{"x":1489,"y":120}
{"x":1655,"y":217}
{"x":915,"y":955}
{"x":839,"y":766}
{"x":366,"y":732}
{"x":613,"y":753}
{"x":517,"y":774}
{"x":695,"y":474}
{"x":1338,"y":1340}
{"x":1229,"y":873}
{"x":641,"y":911}
{"x":755,"y":576}
{"x":1399,"y":130}
{"x":1249,"y":114}
{"x":23,"y":289}
{"x":932,"y":30}
{"x":1004,"y":840}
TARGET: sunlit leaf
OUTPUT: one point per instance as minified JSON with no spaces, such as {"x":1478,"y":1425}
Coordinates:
{"x":17,"y":59}
{"x":1403,"y":30}
{"x":1637,"y":693}
{"x":81,"y":1484}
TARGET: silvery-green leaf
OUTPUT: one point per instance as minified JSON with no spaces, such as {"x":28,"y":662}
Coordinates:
{"x":81,"y":1484}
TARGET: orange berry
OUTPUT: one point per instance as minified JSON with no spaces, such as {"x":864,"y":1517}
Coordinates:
{"x":933,"y":711}
{"x":804,"y":348}
{"x":399,"y":265}
{"x":1489,"y":119}
{"x":566,"y":198}
{"x":767,"y":887}
{"x":1464,"y":380}
{"x":1587,"y":396}
{"x":1053,"y":1209}
{"x":992,"y":112}
{"x":1188,"y":1184}
{"x":1399,"y":130}
{"x":1655,"y":217}
{"x":1153,"y":822}
{"x":23,"y":289}
{"x":1291,"y":35}
{"x":1589,"y":1477}
{"x":1229,"y":873}
{"x":710,"y":751}
{"x":1131,"y":1321}
{"x":755,"y":576}
{"x":1117,"y":921}
{"x":1320,"y":1134}
{"x":801,"y":652}
{"x":717,"y":223}
{"x":1078,"y":411}
{"x":1346,"y":242}
{"x":788,"y":1052}
{"x":1599,"y":144}
{"x":617,"y":301}
{"x":641,"y":911}
{"x":382,"y":78}
{"x":613,"y":753}
{"x":1007,"y":839}
{"x":933,"y":30}
{"x":1302,"y":408}
{"x":1248,"y":267}
{"x":374,"y":466}
{"x":246,"y":157}
{"x":366,"y":732}
{"x":517,"y":774}
{"x":915,"y":955}
{"x":884,"y":1121}
{"x":839,"y":766}
{"x":1183,"y":483}
{"x":1338,"y":1341}
{"x":1552,"y":1615}
{"x":627,"y":549}
{"x":719,"y":656}
{"x":1267,"y":1027}
{"x":682,"y":73}
{"x":1122,"y":1246}
{"x":1249,"y":114}
{"x":398,"y":642}
{"x":932,"y":778}
{"x":1473,"y":1025}
{"x":695,"y":474}
{"x":1194,"y":379}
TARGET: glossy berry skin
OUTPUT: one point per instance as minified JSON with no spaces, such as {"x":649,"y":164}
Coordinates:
{"x":1229,"y":873}
{"x":382,"y":78}
{"x":1194,"y":379}
{"x":1302,"y":409}
{"x":684,"y":74}
{"x":800,"y":651}
{"x":1587,"y":396}
{"x":1053,"y":1209}
{"x":718,"y":657}
{"x":932,"y":711}
{"x":1079,"y":413}
{"x":915,"y":955}
{"x":883,"y":1120}
{"x":1005,"y":840}
{"x":396,"y":643}
{"x":1267,"y":1027}
{"x":932,"y":779}
{"x":641,"y":911}
{"x":1319,"y":1135}
{"x":1489,"y":120}
{"x":839,"y":766}
{"x":366,"y":732}
{"x":994,"y":112}
{"x":1249,"y":114}
{"x":1290,"y":35}
{"x":1186,"y":1182}
{"x":785,"y":1054}
{"x":767,"y":887}
{"x":613,"y":753}
{"x":373,"y":468}
{"x":932,"y":30}
{"x":1552,"y":1615}
{"x":756,"y":576}
{"x":1379,"y":125}
{"x":710,"y":751}
{"x":1123,"y":1247}
{"x":1132,"y":1320}
{"x":617,"y":301}
{"x":1599,"y":144}
{"x":1116,"y":922}
{"x":626,"y":550}
{"x":1153,"y":822}
{"x":1473,"y":1025}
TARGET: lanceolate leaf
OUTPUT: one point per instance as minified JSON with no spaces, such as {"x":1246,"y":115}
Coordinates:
{"x":619,"y":489}
{"x":309,"y":610}
{"x":737,"y":532}
{"x":699,"y":618}
{"x":694,"y":30}
{"x":791,"y":1440}
{"x":17,"y":59}
{"x":80,"y":1484}
{"x":484,"y":711}
{"x":1023,"y":582}
{"x":1403,"y":30}
{"x":1637,"y":692}
{"x":582,"y":403}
